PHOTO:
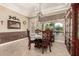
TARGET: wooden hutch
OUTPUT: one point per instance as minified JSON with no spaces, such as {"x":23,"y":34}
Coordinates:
{"x":72,"y":29}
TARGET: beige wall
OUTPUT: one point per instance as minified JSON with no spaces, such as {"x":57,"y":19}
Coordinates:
{"x":4,"y":16}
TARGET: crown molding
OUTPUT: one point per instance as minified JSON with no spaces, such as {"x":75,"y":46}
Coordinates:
{"x":53,"y":11}
{"x":46,"y":12}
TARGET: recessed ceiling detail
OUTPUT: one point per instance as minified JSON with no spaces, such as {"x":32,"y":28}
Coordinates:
{"x":29,"y":9}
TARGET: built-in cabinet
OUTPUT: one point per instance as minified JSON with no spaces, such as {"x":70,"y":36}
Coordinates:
{"x":68,"y":30}
{"x":72,"y":29}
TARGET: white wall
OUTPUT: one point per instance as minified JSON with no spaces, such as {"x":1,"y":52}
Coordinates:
{"x":4,"y":16}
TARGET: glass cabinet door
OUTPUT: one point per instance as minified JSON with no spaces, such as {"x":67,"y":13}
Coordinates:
{"x":68,"y":30}
{"x":69,"y":27}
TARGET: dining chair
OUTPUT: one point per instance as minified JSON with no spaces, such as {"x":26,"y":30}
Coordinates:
{"x":46,"y":41}
{"x":29,"y":38}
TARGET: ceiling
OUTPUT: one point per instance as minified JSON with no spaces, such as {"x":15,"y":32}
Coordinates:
{"x":30,"y":9}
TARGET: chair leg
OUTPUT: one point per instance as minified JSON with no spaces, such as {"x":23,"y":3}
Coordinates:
{"x":42,"y":50}
{"x":29,"y":48}
{"x":50,"y":48}
{"x":29,"y":45}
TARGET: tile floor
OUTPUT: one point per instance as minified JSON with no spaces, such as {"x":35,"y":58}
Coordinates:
{"x":20,"y":48}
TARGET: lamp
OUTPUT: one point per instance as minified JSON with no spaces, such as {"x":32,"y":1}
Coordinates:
{"x":39,"y":14}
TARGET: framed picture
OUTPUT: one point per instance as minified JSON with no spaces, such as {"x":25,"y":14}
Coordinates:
{"x":14,"y":24}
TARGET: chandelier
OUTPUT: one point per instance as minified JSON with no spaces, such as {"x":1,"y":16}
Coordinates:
{"x":39,"y":14}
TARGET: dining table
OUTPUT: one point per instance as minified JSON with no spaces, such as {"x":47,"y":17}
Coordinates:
{"x":37,"y":38}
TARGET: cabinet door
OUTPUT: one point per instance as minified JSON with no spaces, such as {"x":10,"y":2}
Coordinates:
{"x":68,"y":24}
{"x":78,"y":25}
{"x":77,"y":47}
